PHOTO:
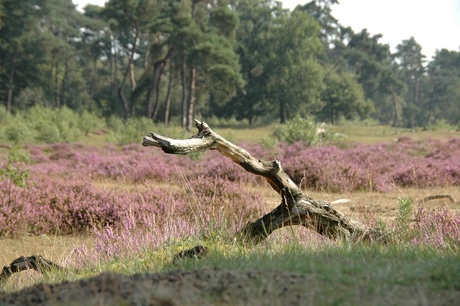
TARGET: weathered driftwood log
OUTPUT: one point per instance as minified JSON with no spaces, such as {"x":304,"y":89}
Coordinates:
{"x":37,"y":263}
{"x":296,"y":208}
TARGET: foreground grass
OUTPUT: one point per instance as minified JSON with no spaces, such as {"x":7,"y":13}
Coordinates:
{"x":338,"y":272}
{"x":369,"y":266}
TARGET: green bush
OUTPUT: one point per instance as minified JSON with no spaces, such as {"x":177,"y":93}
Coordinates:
{"x":2,"y":114}
{"x":46,"y":123}
{"x":132,"y":130}
{"x":14,"y":168}
{"x":89,"y":122}
{"x":298,"y":130}
{"x":18,"y":133}
{"x":46,"y":132}
{"x":63,"y":124}
{"x":129,"y":131}
{"x":49,"y":125}
{"x":270,"y":143}
{"x":441,"y":124}
{"x":114,"y":124}
{"x":67,"y":122}
{"x":15,"y":130}
{"x":403,"y":218}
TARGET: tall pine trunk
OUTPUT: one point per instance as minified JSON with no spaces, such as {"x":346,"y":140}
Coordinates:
{"x":56,"y":85}
{"x":9,"y":95}
{"x":128,"y":71}
{"x":191,"y":99}
{"x":64,"y":84}
{"x":113,"y":71}
{"x":168,"y":96}
{"x":153,"y":105}
{"x":283,"y":112}
{"x":184,"y":94}
{"x":395,"y":109}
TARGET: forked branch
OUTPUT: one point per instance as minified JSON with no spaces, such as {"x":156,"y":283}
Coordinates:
{"x":296,"y":208}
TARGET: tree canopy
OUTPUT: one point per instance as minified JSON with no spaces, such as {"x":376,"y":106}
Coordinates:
{"x":248,"y":59}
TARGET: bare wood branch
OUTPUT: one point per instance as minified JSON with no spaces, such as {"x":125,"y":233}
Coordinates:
{"x":296,"y":208}
{"x":37,"y":263}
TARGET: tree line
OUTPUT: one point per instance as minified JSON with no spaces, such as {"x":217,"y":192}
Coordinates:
{"x":247,"y":59}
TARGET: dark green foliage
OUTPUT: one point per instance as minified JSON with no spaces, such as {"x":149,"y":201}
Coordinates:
{"x":343,"y":97}
{"x":248,"y":59}
{"x":444,"y":88}
{"x":409,"y":54}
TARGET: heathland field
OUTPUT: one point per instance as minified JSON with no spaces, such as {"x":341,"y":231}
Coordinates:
{"x":115,"y":215}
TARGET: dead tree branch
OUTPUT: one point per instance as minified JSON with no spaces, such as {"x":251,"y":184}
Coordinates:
{"x":37,"y":263}
{"x":296,"y":208}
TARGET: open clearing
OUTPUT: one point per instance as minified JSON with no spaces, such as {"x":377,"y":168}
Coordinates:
{"x":293,"y":267}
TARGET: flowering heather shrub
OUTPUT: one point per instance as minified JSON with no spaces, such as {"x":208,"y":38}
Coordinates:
{"x":218,"y":165}
{"x":374,"y":167}
{"x":56,"y":207}
{"x":65,"y":206}
{"x":377,"y":167}
{"x":226,"y":200}
{"x":36,"y":154}
{"x":131,"y":239}
{"x":202,"y":198}
{"x":106,"y":163}
{"x":439,"y":228}
{"x":132,"y":163}
{"x":204,"y":210}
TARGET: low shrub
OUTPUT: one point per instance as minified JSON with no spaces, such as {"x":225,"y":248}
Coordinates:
{"x":89,"y":122}
{"x":438,"y":228}
{"x":130,"y":131}
{"x":69,"y":206}
{"x":14,"y":169}
{"x":47,"y":125}
{"x":14,"y":130}
{"x":299,"y":130}
{"x":67,"y":193}
{"x":376,"y":167}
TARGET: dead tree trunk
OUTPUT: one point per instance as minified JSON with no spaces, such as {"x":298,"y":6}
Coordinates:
{"x":37,"y":263}
{"x":296,"y":208}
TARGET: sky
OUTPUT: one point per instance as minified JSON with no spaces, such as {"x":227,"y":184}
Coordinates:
{"x":435,"y":24}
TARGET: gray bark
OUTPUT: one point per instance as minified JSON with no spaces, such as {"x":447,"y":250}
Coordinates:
{"x":9,"y":95}
{"x":128,"y":72}
{"x":296,"y":208}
